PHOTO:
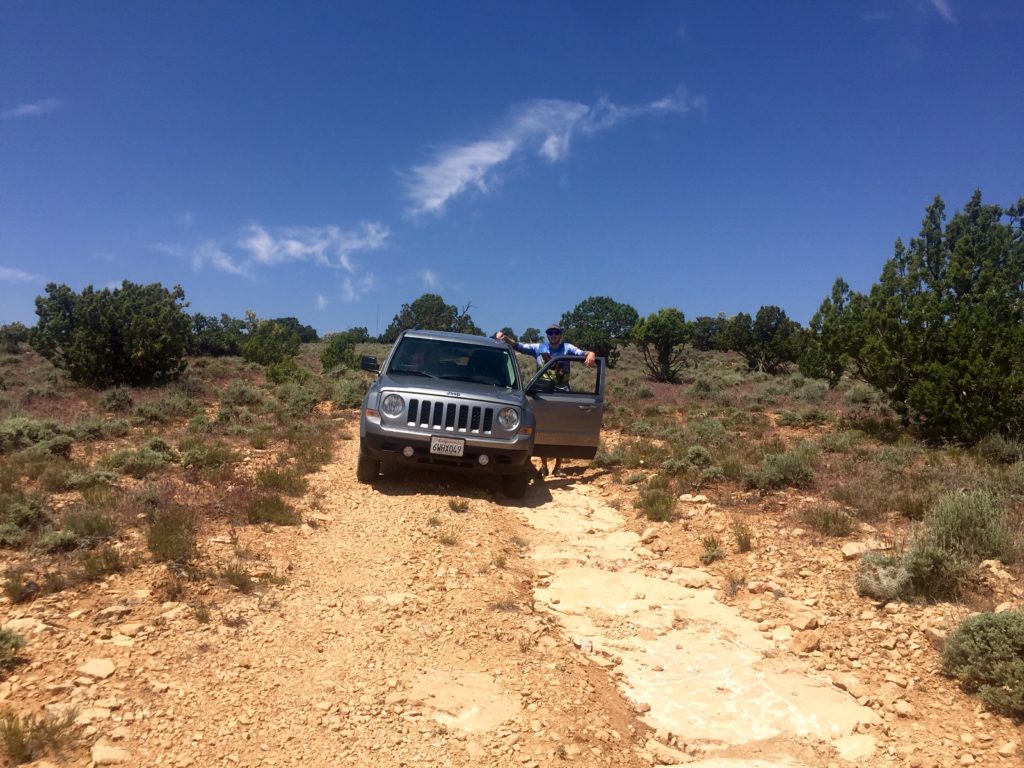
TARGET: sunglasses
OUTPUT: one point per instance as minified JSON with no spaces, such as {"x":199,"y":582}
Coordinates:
{"x":553,"y":333}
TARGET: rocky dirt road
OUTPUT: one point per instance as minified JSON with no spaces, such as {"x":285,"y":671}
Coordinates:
{"x":428,"y":623}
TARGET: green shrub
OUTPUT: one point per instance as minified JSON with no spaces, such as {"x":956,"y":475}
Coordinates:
{"x":198,"y":454}
{"x":288,"y":370}
{"x":996,"y":449}
{"x":712,"y":550}
{"x":271,"y":509}
{"x":19,"y":515}
{"x":287,"y":480}
{"x":270,"y":342}
{"x":237,"y":576}
{"x":172,"y":534}
{"x":10,"y":644}
{"x":297,"y":398}
{"x":238,"y":392}
{"x":789,"y":468}
{"x":986,"y":653}
{"x":103,"y":562}
{"x":26,"y":738}
{"x":349,"y":389}
{"x":170,"y":407}
{"x":134,"y":334}
{"x":57,"y":541}
{"x":117,"y":399}
{"x":935,"y":572}
{"x":90,"y":524}
{"x":974,"y":525}
{"x":340,"y":352}
{"x":827,"y":520}
{"x":742,"y":532}
{"x":657,"y":500}
{"x":99,"y":428}
{"x":21,"y":432}
{"x":140,"y":463}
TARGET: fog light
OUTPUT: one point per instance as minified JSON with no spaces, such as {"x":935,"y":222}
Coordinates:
{"x":408,"y":451}
{"x":484,"y":459}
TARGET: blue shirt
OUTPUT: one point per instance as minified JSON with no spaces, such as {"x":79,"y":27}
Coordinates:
{"x":542,"y":348}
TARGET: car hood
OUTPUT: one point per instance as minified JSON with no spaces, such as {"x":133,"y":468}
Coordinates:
{"x":417,"y":385}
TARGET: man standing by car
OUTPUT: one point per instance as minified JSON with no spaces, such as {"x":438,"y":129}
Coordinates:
{"x":543,"y":351}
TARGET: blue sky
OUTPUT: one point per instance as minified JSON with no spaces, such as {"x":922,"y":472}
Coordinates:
{"x":332,"y":161}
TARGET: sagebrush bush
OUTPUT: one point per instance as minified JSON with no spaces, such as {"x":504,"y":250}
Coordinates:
{"x":827,"y":520}
{"x":26,"y":738}
{"x":103,"y":562}
{"x":986,"y":652}
{"x":172,"y":534}
{"x":790,"y":468}
{"x":137,"y":463}
{"x":117,"y":399}
{"x":349,"y":389}
{"x":196,"y":453}
{"x":11,"y":644}
{"x":273,"y":509}
{"x":90,"y":524}
{"x":239,"y":392}
{"x":975,"y":525}
{"x":712,"y":550}
{"x":287,"y":480}
{"x":657,"y":500}
{"x":996,"y":449}
{"x":20,"y":432}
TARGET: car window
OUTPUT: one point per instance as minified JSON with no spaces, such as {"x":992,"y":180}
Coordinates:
{"x":571,"y":376}
{"x":459,"y":362}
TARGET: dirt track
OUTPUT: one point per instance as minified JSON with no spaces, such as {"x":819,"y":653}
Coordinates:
{"x":404,"y":632}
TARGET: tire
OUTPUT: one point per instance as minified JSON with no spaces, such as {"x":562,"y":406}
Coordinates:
{"x":367,"y":469}
{"x":514,"y":486}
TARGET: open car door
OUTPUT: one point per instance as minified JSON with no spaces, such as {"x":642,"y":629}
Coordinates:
{"x":567,"y":399}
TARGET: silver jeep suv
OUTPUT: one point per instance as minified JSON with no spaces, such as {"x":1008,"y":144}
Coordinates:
{"x":459,"y":402}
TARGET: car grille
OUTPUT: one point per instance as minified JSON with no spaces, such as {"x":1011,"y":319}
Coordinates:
{"x":450,"y":417}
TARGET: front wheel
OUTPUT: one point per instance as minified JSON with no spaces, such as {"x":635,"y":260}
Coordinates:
{"x":514,"y":486}
{"x":367,"y":469}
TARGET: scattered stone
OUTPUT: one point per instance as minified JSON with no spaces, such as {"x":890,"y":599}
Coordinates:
{"x":936,"y":637}
{"x":662,"y":754}
{"x":106,"y":754}
{"x":856,"y":747}
{"x":805,"y":642}
{"x":903,"y":708}
{"x":1009,"y":749}
{"x":100,"y":669}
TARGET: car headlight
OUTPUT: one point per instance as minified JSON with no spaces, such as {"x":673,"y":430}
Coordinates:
{"x":508,"y":418}
{"x":392,"y":405}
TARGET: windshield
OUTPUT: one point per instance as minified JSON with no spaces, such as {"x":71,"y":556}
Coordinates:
{"x":437,"y":359}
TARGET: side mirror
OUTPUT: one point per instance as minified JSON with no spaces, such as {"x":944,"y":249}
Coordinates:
{"x":369,"y":363}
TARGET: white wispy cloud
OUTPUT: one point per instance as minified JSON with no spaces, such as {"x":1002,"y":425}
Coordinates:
{"x":328,"y":246}
{"x":542,"y":127}
{"x":430,"y":279}
{"x":14,"y":275}
{"x":321,"y":302}
{"x":31,"y":110}
{"x":261,"y":247}
{"x":354,"y":288}
{"x":945,"y":10}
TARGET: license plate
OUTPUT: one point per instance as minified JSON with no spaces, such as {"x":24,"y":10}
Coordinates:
{"x":447,"y":446}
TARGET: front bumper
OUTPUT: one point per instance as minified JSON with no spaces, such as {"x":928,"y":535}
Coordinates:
{"x":505,"y":458}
